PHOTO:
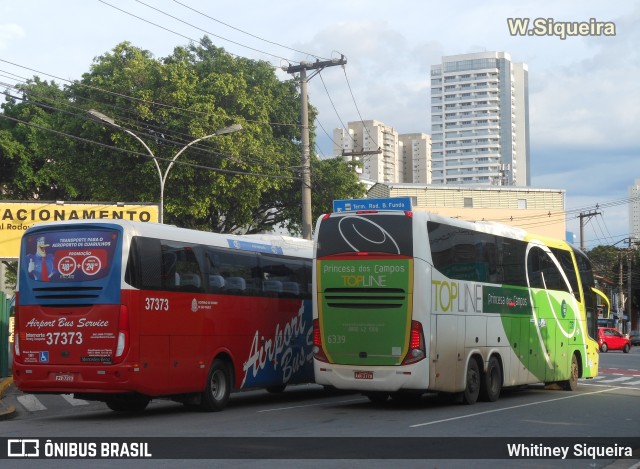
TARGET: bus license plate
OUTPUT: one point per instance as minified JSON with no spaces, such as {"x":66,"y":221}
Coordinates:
{"x":363,"y":374}
{"x":65,"y":377}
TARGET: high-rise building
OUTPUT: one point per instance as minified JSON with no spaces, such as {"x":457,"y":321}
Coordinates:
{"x":634,"y":211}
{"x":480,"y":120}
{"x":415,"y":151}
{"x":373,"y":143}
{"x":386,"y":156}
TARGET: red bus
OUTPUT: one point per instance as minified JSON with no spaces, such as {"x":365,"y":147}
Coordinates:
{"x":124,"y":312}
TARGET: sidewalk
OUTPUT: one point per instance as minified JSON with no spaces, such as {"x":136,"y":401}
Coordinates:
{"x":6,"y":411}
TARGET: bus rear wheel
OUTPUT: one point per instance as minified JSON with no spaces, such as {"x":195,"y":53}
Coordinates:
{"x":217,"y":389}
{"x":491,"y":384}
{"x":472,"y":388}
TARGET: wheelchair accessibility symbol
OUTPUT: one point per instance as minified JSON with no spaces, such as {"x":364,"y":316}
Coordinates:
{"x":44,"y":357}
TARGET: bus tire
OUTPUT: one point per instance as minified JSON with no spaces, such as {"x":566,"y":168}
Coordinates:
{"x":473,"y":381}
{"x":218,"y":387}
{"x":571,"y":384}
{"x":491,"y":384}
{"x":128,"y":403}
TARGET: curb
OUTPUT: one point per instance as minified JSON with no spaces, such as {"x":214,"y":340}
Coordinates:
{"x":6,"y":412}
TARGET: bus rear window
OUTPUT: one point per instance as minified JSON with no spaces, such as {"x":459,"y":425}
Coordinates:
{"x":373,"y":233}
{"x":69,"y":256}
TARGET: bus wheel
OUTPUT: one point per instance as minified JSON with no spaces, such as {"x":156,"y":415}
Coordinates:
{"x":218,"y":388}
{"x":378,"y":397}
{"x":571,"y":384}
{"x":276,"y":389}
{"x":472,"y":389}
{"x":128,"y":403}
{"x":491,"y":381}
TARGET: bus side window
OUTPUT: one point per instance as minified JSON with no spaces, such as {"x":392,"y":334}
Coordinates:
{"x":188,"y":270}
{"x":239,"y":269}
{"x":512,"y":255}
{"x":144,"y":266}
{"x":169,"y":275}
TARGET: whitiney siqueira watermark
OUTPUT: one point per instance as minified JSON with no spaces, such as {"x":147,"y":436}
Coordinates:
{"x":561,"y":29}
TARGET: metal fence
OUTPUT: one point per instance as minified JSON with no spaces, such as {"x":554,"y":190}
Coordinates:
{"x":6,"y":337}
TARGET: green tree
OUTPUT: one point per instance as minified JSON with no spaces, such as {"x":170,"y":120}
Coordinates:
{"x":27,"y":153}
{"x":247,"y":181}
{"x":604,"y":260}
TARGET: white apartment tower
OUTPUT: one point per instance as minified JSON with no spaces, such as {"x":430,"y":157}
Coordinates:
{"x":480,"y":120}
{"x":386,"y":155}
{"x":415,"y":152}
{"x":634,"y":211}
{"x":373,"y":143}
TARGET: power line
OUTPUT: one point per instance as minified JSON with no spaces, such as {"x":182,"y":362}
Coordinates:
{"x":193,"y":26}
{"x":134,"y":153}
{"x":159,"y":136}
{"x":249,"y":34}
{"x":140,"y":100}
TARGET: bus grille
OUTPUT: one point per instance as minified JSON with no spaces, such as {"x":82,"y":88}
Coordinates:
{"x":67,"y":293}
{"x":370,"y":298}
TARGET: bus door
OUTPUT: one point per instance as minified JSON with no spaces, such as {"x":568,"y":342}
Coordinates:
{"x":449,"y":334}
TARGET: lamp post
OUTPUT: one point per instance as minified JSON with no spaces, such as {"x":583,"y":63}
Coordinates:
{"x":162,"y":176}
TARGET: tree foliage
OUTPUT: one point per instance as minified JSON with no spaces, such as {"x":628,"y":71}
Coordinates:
{"x":604,"y":260}
{"x":247,"y":181}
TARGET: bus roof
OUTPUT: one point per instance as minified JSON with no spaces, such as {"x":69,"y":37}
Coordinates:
{"x":489,"y":227}
{"x":253,"y":242}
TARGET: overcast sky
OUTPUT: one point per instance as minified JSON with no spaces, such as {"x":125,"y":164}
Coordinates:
{"x":584,"y":92}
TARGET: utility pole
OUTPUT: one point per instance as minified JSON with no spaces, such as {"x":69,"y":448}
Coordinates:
{"x":304,"y":123}
{"x":629,"y":254}
{"x":620,"y":294}
{"x":582,"y":216}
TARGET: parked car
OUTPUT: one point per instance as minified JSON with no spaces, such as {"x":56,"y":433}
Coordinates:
{"x":634,"y":338}
{"x":611,"y":339}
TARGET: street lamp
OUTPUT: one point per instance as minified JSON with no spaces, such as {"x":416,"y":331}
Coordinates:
{"x":163,"y":177}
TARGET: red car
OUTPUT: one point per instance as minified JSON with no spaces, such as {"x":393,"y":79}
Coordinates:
{"x":610,"y":339}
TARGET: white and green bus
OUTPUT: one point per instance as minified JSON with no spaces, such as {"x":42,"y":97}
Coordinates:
{"x":408,"y":302}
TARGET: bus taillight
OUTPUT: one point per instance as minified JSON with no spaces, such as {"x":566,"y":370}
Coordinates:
{"x":416,"y":344}
{"x":123,"y":334}
{"x":318,"y":351}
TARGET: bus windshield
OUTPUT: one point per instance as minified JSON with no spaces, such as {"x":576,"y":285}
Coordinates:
{"x":373,"y":233}
{"x":69,"y":256}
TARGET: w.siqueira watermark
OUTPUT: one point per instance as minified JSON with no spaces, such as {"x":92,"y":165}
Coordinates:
{"x":561,"y":29}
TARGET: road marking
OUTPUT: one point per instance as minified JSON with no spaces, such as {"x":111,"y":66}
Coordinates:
{"x":31,"y":403}
{"x":616,"y":380}
{"x":308,"y":405}
{"x":513,"y":407}
{"x":73,"y":401}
